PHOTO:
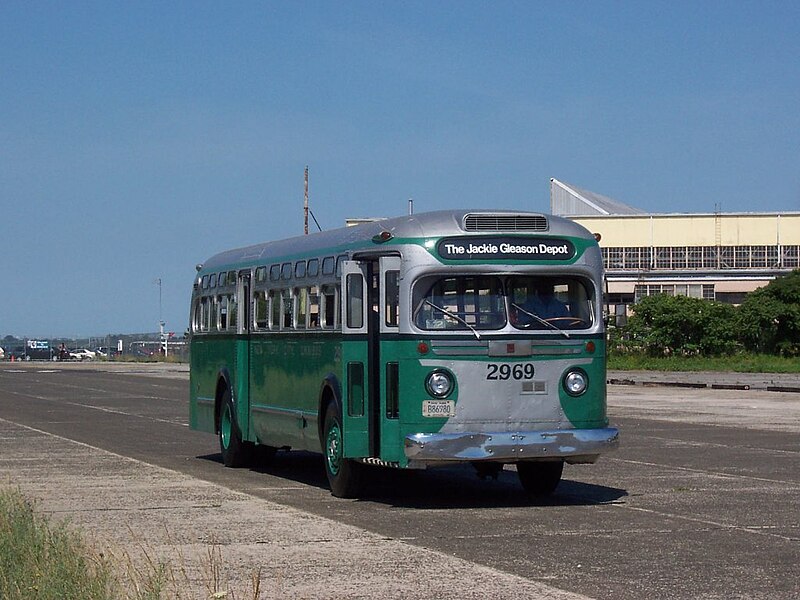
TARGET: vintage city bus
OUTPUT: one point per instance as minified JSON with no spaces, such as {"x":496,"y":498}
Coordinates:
{"x":413,"y":342}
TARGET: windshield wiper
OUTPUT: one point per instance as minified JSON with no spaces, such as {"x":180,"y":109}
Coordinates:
{"x":455,"y":316}
{"x":541,"y":320}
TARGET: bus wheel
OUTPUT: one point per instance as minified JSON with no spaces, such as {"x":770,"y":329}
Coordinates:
{"x":540,"y":478}
{"x":235,"y":452}
{"x":344,"y":474}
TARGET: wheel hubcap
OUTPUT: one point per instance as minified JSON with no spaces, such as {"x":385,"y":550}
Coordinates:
{"x":225,"y":427}
{"x":333,"y":451}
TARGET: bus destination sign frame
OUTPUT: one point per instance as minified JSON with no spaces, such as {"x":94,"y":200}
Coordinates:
{"x":505,"y":248}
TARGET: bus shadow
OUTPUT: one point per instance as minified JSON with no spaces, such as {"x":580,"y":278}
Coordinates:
{"x":460,"y":487}
{"x":448,"y":487}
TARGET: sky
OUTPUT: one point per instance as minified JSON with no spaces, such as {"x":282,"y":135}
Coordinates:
{"x":137,"y":139}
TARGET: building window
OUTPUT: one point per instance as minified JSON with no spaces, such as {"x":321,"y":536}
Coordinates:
{"x":791,"y":257}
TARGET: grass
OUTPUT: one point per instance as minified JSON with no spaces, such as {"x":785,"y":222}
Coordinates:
{"x":44,"y":560}
{"x":39,"y":560}
{"x":739,"y":363}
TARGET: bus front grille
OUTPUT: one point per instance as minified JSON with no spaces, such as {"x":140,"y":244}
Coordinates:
{"x":490,"y":222}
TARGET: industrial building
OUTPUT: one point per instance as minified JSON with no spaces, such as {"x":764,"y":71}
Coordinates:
{"x":717,"y":256}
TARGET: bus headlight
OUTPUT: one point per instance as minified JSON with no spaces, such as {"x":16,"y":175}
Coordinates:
{"x":575,"y":382}
{"x":439,"y":384}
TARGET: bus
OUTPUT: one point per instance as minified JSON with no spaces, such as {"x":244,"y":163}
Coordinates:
{"x":411,"y":342}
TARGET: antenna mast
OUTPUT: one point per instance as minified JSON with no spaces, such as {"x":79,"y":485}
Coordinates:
{"x":305,"y":205}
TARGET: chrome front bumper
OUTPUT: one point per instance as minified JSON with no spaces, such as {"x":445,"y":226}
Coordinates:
{"x":571,"y":445}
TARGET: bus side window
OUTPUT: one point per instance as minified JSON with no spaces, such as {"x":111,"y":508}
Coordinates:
{"x":313,"y":308}
{"x":202,"y":316}
{"x":196,"y":314}
{"x":275,"y":310}
{"x":287,"y":309}
{"x":392,"y":298}
{"x":261,"y":310}
{"x":223,"y":313}
{"x":329,"y":308}
{"x":205,"y":314}
{"x":301,"y":294}
{"x":355,"y":301}
{"x":232,"y":306}
{"x":212,"y":316}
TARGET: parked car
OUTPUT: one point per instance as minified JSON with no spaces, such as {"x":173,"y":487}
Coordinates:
{"x":16,"y":353}
{"x":82,"y":354}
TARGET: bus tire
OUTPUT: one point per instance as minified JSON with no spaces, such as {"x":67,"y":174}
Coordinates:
{"x":344,"y":474}
{"x":235,"y":451}
{"x":540,"y":478}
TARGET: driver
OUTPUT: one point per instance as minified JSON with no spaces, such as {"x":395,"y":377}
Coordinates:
{"x":541,"y":301}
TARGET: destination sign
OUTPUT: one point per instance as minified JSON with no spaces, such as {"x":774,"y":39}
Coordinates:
{"x":506,"y":247}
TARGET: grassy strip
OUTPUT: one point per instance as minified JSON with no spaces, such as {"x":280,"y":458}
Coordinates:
{"x":739,"y":363}
{"x":41,"y":561}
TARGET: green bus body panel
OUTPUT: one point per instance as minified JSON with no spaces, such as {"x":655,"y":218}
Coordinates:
{"x":588,"y":411}
{"x":356,"y":427}
{"x":287,"y":373}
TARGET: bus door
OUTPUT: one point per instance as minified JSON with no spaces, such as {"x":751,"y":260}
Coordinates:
{"x":365,"y":321}
{"x":242,"y":354}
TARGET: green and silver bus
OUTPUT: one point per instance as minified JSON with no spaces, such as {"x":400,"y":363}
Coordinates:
{"x":413,"y":342}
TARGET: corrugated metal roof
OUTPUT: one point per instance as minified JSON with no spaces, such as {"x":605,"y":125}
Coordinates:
{"x":567,"y":199}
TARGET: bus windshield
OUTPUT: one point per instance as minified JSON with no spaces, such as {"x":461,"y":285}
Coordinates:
{"x":465,"y":302}
{"x":483,"y":302}
{"x":549,"y":302}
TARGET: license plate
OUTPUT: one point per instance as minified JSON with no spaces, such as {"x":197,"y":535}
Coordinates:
{"x":438,"y":408}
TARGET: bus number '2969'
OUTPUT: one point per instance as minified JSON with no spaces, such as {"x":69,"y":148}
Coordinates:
{"x":506,"y":371}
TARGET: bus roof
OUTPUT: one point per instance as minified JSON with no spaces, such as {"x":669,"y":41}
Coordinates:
{"x":422,"y":225}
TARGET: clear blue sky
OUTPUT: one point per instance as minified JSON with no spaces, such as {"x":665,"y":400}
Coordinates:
{"x":139,"y":138}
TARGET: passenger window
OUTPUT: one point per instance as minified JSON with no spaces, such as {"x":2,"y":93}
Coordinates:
{"x":355,"y":301}
{"x":288,"y":308}
{"x":204,"y":283}
{"x":313,"y":307}
{"x":392,"y":299}
{"x":313,"y":267}
{"x":196,"y":314}
{"x":302,"y":308}
{"x":261,"y":315}
{"x":275,"y":312}
{"x":286,"y":271}
{"x":300,"y":269}
{"x":212,"y":280}
{"x":329,"y":307}
{"x":261,"y":274}
{"x":223,"y":313}
{"x":275,"y":273}
{"x":328,"y":265}
{"x":232,"y":312}
{"x":205,"y":310}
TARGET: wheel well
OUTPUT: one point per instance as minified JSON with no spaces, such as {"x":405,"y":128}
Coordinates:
{"x":222,"y":385}
{"x":326,"y":399}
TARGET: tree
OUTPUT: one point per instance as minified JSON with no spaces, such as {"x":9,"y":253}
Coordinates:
{"x":769,"y":318}
{"x":664,"y":324}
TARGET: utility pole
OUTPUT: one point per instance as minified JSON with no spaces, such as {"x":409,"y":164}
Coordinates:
{"x":305,"y":205}
{"x":161,"y":338}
